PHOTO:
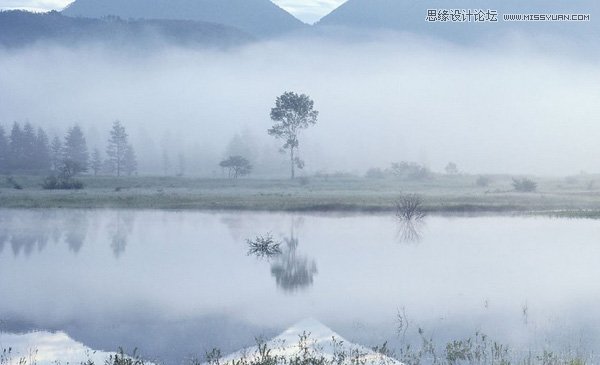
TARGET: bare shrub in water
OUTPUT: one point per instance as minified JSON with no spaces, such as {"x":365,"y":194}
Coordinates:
{"x":409,"y":207}
{"x":263,"y":246}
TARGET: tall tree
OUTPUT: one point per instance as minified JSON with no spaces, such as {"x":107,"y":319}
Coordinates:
{"x":96,"y":162}
{"x":56,"y":153}
{"x":16,"y":152}
{"x":3,"y":151}
{"x":28,"y":148}
{"x":292,"y":113}
{"x":129,"y":161}
{"x":117,"y":148}
{"x":75,"y":148}
{"x":42,"y":151}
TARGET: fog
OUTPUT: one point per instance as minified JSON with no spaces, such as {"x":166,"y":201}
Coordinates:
{"x":509,"y":107}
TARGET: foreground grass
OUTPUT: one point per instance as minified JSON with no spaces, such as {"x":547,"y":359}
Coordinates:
{"x":573,"y":197}
{"x":476,"y":350}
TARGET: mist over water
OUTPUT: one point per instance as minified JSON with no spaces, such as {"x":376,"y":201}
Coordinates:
{"x":514,"y":106}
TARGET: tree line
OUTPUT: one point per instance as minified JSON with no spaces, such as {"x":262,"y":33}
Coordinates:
{"x":26,"y":149}
{"x":29,"y":150}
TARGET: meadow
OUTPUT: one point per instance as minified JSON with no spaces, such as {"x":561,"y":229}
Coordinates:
{"x":572,"y":196}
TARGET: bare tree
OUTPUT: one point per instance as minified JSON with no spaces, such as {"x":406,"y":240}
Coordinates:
{"x":292,"y":113}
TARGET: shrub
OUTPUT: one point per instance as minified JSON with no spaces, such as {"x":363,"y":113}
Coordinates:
{"x":483,"y":181}
{"x":524,"y":185}
{"x":263,"y":246}
{"x":410,"y":171}
{"x":375,"y":173}
{"x":410,"y":207}
{"x":15,"y":185}
{"x":55,"y":183}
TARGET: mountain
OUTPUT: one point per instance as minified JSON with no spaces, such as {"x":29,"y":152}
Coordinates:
{"x":410,"y":16}
{"x":258,"y":17}
{"x":19,"y":28}
{"x":310,"y":339}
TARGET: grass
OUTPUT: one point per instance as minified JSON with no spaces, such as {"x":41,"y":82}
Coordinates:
{"x":476,"y":350}
{"x":573,"y":197}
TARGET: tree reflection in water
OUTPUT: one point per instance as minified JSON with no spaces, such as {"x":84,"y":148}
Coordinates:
{"x":76,"y":232}
{"x":119,"y":229}
{"x":292,"y":271}
{"x":27,"y":232}
{"x":409,"y":231}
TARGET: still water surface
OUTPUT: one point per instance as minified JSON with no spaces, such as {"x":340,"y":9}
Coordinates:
{"x":175,"y":284}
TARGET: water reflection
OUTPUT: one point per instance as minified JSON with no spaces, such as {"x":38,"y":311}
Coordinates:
{"x":26,"y":232}
{"x":211,"y":294}
{"x":76,"y":232}
{"x":411,"y":217}
{"x":410,"y":231}
{"x":119,"y":228}
{"x":291,"y":270}
{"x":27,"y":241}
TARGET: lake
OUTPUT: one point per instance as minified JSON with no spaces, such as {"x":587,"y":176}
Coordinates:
{"x":176,"y":284}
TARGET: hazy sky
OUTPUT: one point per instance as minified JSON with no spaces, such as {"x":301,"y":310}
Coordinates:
{"x":507,"y":108}
{"x":306,"y":10}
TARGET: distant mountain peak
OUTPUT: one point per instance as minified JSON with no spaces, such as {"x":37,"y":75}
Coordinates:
{"x":257,"y":17}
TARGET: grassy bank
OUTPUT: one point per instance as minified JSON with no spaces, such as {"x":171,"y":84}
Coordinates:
{"x":575,"y":197}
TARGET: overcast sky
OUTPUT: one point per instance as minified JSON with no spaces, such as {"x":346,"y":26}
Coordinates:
{"x":308,"y":11}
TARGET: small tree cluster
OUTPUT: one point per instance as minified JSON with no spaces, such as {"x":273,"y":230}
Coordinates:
{"x":524,"y":185}
{"x":410,"y":171}
{"x":236,"y":166}
{"x":451,"y":168}
{"x":483,"y":181}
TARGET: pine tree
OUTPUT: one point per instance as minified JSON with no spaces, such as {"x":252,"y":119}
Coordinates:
{"x":117,"y":148}
{"x":96,"y":162}
{"x":42,"y":151}
{"x":75,"y":148}
{"x":28,"y":148}
{"x":56,"y":153}
{"x":3,"y":151}
{"x":15,"y":153}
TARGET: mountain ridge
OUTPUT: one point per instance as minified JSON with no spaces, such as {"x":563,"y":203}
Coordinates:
{"x":261,"y":18}
{"x":20,"y":28}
